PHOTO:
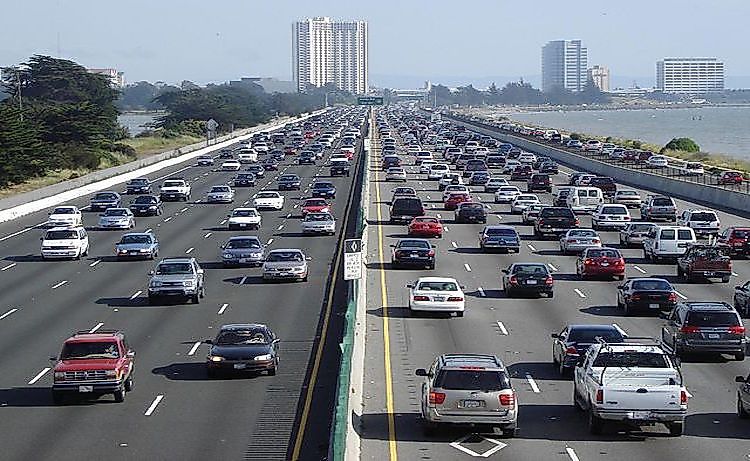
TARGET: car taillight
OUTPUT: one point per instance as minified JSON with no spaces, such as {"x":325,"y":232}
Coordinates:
{"x":600,"y":396}
{"x":596,"y":241}
{"x":635,"y":297}
{"x":421,"y":298}
{"x":431,"y":253}
{"x":571,"y":350}
{"x":508,"y":400}
{"x":689,"y":329}
{"x":513,"y":279}
{"x":455,"y":298}
{"x":577,"y":221}
{"x":588,"y":262}
{"x":627,"y":218}
{"x":541,"y":221}
{"x":436,"y":398}
{"x":548,"y":280}
{"x":620,"y":262}
{"x":672,"y":297}
{"x":737,"y":330}
{"x":683,"y":397}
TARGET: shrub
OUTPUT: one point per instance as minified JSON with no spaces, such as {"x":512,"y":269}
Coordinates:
{"x":683,"y":144}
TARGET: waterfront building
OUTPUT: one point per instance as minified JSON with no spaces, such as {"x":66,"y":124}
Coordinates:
{"x":327,"y":51}
{"x":690,"y":75}
{"x":117,"y":79}
{"x":564,"y":64}
{"x":600,"y":76}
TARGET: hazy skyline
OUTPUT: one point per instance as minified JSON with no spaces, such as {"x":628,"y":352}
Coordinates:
{"x":409,"y":41}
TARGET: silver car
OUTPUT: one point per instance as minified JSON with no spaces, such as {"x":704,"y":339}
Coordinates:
{"x":319,"y":223}
{"x":468,"y":389}
{"x":577,"y":240}
{"x":117,"y":218}
{"x":137,"y":245}
{"x":285,"y":264}
{"x":176,"y":278}
{"x":220,"y":194}
{"x":635,"y":233}
{"x":243,"y":249}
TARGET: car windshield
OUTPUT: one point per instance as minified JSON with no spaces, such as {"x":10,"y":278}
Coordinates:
{"x":128,"y":239}
{"x":139,"y":182}
{"x":64,"y":211}
{"x":90,"y":350}
{"x":661,"y":285}
{"x":281,"y":256}
{"x":631,"y":359}
{"x":437,"y":286}
{"x":267,"y":195}
{"x":472,"y":380}
{"x":703,"y":216}
{"x":105,"y":197}
{"x":61,"y":235}
{"x":115,"y":212}
{"x":242,"y":337}
{"x":614,"y":210}
{"x":413,"y":244}
{"x":319,"y":217}
{"x":581,"y":233}
{"x":538,"y":269}
{"x":145,"y":199}
{"x":712,"y":319}
{"x":174,"y":268}
{"x":504,"y":231}
{"x":244,"y":213}
{"x":243,"y":243}
{"x":602,"y":253}
{"x":589,"y":335}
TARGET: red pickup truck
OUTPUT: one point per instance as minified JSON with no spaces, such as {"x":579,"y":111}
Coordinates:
{"x":706,"y":262}
{"x":93,"y":364}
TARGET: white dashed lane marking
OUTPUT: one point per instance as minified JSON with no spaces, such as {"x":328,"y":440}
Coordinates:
{"x":96,"y":327}
{"x":8,"y":267}
{"x":532,"y":383}
{"x":39,"y":375}
{"x":502,"y":328}
{"x":154,"y":404}
{"x":194,"y":348}
{"x":59,"y":284}
{"x":223,"y":308}
{"x":9,"y":313}
{"x":579,"y":293}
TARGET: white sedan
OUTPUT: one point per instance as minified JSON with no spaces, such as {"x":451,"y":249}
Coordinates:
{"x":436,"y":294}
{"x":268,"y":200}
{"x":506,"y":194}
{"x":244,"y":218}
{"x":455,"y":189}
{"x":68,"y":215}
{"x":231,"y":165}
{"x":220,"y":194}
{"x":523,"y":201}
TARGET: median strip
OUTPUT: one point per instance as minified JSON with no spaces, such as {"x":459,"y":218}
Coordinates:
{"x":154,"y":404}
{"x":39,"y":375}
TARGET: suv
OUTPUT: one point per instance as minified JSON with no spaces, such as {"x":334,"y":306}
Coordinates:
{"x":704,"y":326}
{"x":659,"y":207}
{"x":554,"y":220}
{"x":705,"y":261}
{"x":473,"y":389}
{"x":540,"y":182}
{"x":404,"y":209}
{"x":606,"y":184}
{"x":703,"y":222}
{"x":177,"y":277}
{"x":93,"y":364}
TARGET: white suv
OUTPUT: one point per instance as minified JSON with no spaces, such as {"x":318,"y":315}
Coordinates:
{"x":703,"y":222}
{"x":65,"y":242}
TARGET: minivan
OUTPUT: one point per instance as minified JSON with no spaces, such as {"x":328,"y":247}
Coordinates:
{"x":667,"y":242}
{"x":585,"y":199}
{"x":403,"y":209}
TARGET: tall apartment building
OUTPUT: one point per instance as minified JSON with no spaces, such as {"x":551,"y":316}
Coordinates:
{"x":117,"y":79}
{"x":564,"y":64}
{"x":326,"y":51}
{"x":690,"y":75}
{"x":600,"y":76}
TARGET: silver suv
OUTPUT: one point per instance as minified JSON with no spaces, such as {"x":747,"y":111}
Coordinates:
{"x":471,"y":389}
{"x":176,"y":277}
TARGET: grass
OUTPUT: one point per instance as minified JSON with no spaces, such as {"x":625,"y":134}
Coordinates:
{"x":150,"y":145}
{"x":43,"y":181}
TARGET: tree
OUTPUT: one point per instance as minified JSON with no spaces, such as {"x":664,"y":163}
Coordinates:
{"x":682,"y":144}
{"x":520,"y":93}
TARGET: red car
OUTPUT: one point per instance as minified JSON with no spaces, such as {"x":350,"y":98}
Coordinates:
{"x":453,"y":200}
{"x":315,"y":205}
{"x":731,"y":178}
{"x":602,"y":262}
{"x":738,"y":240}
{"x":425,"y":226}
{"x":290,"y":150}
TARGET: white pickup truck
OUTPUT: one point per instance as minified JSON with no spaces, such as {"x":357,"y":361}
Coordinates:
{"x":632,"y":383}
{"x":175,"y":189}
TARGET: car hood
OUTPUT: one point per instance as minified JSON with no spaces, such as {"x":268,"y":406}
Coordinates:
{"x":134,"y":246}
{"x":283,"y":265}
{"x":172,"y":278}
{"x":241,"y":352}
{"x":86,"y":364}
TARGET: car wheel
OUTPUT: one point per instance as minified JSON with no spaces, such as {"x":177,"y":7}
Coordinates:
{"x":129,"y":383}
{"x":739,"y":356}
{"x":508,"y":433}
{"x":58,"y":398}
{"x":742,"y":413}
{"x":119,"y":396}
{"x":596,"y":424}
{"x":196,"y":299}
{"x":676,"y":429}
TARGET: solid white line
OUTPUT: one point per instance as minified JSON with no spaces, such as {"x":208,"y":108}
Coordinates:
{"x":189,"y":250}
{"x":95,"y":263}
{"x":223,"y":308}
{"x":194,"y":348}
{"x":579,"y":293}
{"x":151,"y":408}
{"x":639,"y":269}
{"x":617,"y":327}
{"x":481,"y":291}
{"x":59,"y":284}
{"x":467,"y":267}
{"x":8,"y":267}
{"x":39,"y":375}
{"x":21,"y":231}
{"x":552,"y":267}
{"x":168,"y":219}
{"x":8,"y":313}
{"x":572,"y":454}
{"x":454,"y":244}
{"x":532,"y":383}
{"x":680,"y":294}
{"x":503,"y":330}
{"x":96,"y":327}
{"x":243,"y":280}
{"x":207,"y":235}
{"x":136,"y":294}
{"x":270,"y":241}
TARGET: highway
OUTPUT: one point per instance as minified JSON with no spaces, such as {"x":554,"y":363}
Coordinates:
{"x":174,"y":411}
{"x":518,"y":332}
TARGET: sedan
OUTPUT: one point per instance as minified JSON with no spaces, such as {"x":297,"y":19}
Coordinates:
{"x":68,"y":215}
{"x":454,"y":199}
{"x":243,"y":218}
{"x":531,"y":213}
{"x":324,"y":189}
{"x":147,"y":205}
{"x":644,"y":294}
{"x":523,"y":201}
{"x":138,"y":186}
{"x":577,"y":240}
{"x":137,"y":245}
{"x":270,"y":164}
{"x":413,"y":252}
{"x":315,"y":205}
{"x":574,"y":340}
{"x":243,"y":249}
{"x":257,"y":170}
{"x":241,"y":347}
{"x":506,"y":194}
{"x":470,"y":212}
{"x":436,"y":294}
{"x":528,"y":278}
{"x":205,"y":160}
{"x":289,"y":182}
{"x":220,"y":194}
{"x":244,"y":180}
{"x":318,"y":223}
{"x":425,"y":226}
{"x":231,"y":165}
{"x":395,"y":174}
{"x":635,"y":233}
{"x":595,"y":262}
{"x":628,"y":197}
{"x":285,"y":264}
{"x":499,"y":237}
{"x":268,"y":200}
{"x":453,"y":189}
{"x":403,"y":192}
{"x":103,"y":200}
{"x":495,"y":183}
{"x":117,"y":218}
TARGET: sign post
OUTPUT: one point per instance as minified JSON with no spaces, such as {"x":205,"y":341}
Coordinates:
{"x":352,"y":259}
{"x":211,"y":126}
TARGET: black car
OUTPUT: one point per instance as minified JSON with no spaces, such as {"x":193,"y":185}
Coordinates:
{"x":413,"y":252}
{"x":495,"y":161}
{"x":404,"y":209}
{"x":549,"y":168}
{"x":390,"y":161}
{"x":138,"y":186}
{"x":270,"y":164}
{"x":340,"y":168}
{"x":306,"y":157}
{"x":742,"y":299}
{"x":323,"y":189}
{"x":244,"y":180}
{"x":146,"y":205}
{"x":499,"y":237}
{"x":103,"y":200}
{"x":554,"y":221}
{"x":225,"y":153}
{"x":521,"y":173}
{"x":243,"y":347}
{"x":257,"y":170}
{"x":646,"y":294}
{"x":539,"y":181}
{"x":468,"y":212}
{"x":540,"y":159}
{"x":479,"y":178}
{"x":573,"y":341}
{"x":276,"y":154}
{"x":606,"y":184}
{"x":561,"y":199}
{"x":289,"y":182}
{"x":527,"y":278}
{"x":705,"y":327}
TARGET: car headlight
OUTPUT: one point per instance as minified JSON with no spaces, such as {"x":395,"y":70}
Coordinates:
{"x":155,"y":283}
{"x":59,"y":376}
{"x":145,"y":250}
{"x":263,"y":357}
{"x":227,"y":255}
{"x":188,"y":283}
{"x":298,"y":269}
{"x":152,"y":207}
{"x":215,"y":358}
{"x":110,"y":374}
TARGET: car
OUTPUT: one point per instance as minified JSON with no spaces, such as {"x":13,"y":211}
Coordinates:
{"x":271,"y":163}
{"x":243,"y":249}
{"x":395,"y":173}
{"x":743,"y":396}
{"x":738,"y":240}
{"x":527,"y":158}
{"x":521,"y":173}
{"x":610,"y":216}
{"x":704,"y":223}
{"x":539,"y":181}
{"x":510,"y":166}
{"x":705,"y":261}
{"x":220,"y":194}
{"x":693,"y":169}
{"x":494,"y":183}
{"x":659,"y":207}
{"x":389,"y":161}
{"x":244,"y":180}
{"x":549,"y":168}
{"x":405,"y":208}
{"x":574,"y":340}
{"x":450,"y":179}
{"x":66,"y":215}
{"x":704,"y":327}
{"x":103,"y":200}
{"x":522,"y":201}
{"x":730,"y":178}
{"x":424,"y":167}
{"x":324,"y":189}
{"x":402,"y":191}
{"x":574,"y":144}
{"x":470,"y":212}
{"x":425,"y":226}
{"x":455,"y":199}
{"x":495,"y":161}
{"x":289,"y":182}
{"x":247,"y":156}
{"x":306,"y":157}
{"x":177,"y":278}
{"x":606,"y":184}
{"x":531,"y":213}
{"x":506,"y":194}
{"x":243,"y":347}
{"x":231,"y":165}
{"x":205,"y":160}
{"x":116,"y":218}
{"x":285,"y":264}
{"x":318,"y":223}
{"x":667,"y":242}
{"x":437,"y":170}
{"x":635,"y":233}
{"x":499,"y":237}
{"x":138,"y":186}
{"x":436,"y":294}
{"x":225,"y":153}
{"x":463,"y":389}
{"x":244,"y":218}
{"x":628,"y":197}
{"x":479,"y":178}
{"x":413,"y":252}
{"x":454,"y":189}
{"x":555,"y":221}
{"x":257,"y":170}
{"x":339,"y":167}
{"x":175,"y":189}
{"x":137,"y":245}
{"x":578,"y":240}
{"x":657,"y":161}
{"x":92,"y":364}
{"x":601,"y":262}
{"x":646,"y":294}
{"x":315,"y":205}
{"x":561,"y":198}
{"x":527,"y":278}
{"x":65,"y":242}
{"x":268,"y":200}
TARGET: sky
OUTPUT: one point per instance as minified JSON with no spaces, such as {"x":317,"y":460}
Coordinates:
{"x":410,"y":41}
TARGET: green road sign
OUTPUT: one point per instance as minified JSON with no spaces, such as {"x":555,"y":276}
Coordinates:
{"x":370,"y":101}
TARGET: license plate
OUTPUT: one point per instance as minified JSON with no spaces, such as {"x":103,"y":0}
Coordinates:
{"x":605,"y":264}
{"x":641,"y":414}
{"x":243,"y":224}
{"x":531,"y":282}
{"x":85,"y":388}
{"x":653,"y":306}
{"x":710,"y":274}
{"x":713,"y":336}
{"x":471,"y":403}
{"x":415,"y":255}
{"x":239,"y":366}
{"x":439,"y":299}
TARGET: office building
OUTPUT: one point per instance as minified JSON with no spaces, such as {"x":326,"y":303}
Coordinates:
{"x":117,"y":79}
{"x":600,"y":76}
{"x":690,"y":75}
{"x":327,"y":51}
{"x":564,"y":64}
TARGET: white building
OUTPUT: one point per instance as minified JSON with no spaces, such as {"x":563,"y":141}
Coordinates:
{"x":564,"y":64}
{"x":326,"y":51}
{"x":117,"y":79}
{"x":690,"y":75}
{"x":600,"y":76}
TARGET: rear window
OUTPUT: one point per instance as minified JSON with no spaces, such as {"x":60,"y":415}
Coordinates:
{"x":589,"y":335}
{"x":662,"y":285}
{"x":603,"y":253}
{"x":557,"y":213}
{"x":602,"y":181}
{"x":712,"y":319}
{"x":741,"y":234}
{"x":703,"y":217}
{"x":407,"y":203}
{"x":474,"y":380}
{"x":663,"y":201}
{"x":614,"y":210}
{"x":630,"y":359}
{"x":501,"y":231}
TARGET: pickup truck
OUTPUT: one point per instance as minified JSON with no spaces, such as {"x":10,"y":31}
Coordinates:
{"x":705,"y":261}
{"x":632,"y":383}
{"x":175,"y":189}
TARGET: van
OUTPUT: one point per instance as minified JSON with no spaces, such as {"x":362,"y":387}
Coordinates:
{"x":403,"y":209}
{"x":247,"y":156}
{"x":667,"y":242}
{"x":585,"y":199}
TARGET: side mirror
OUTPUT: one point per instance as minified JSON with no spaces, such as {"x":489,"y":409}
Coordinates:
{"x":208,"y":341}
{"x":421,"y":372}
{"x":409,"y":285}
{"x":276,"y":341}
{"x":739,"y":379}
{"x":620,"y":287}
{"x":130,"y":354}
{"x":554,"y":335}
{"x":150,"y":272}
{"x":505,"y":271}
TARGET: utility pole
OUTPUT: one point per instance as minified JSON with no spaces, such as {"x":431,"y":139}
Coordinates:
{"x":20,"y":104}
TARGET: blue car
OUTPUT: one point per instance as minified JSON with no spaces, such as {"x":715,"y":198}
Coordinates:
{"x":324,"y":189}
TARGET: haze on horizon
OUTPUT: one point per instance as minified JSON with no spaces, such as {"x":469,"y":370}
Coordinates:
{"x":409,"y":42}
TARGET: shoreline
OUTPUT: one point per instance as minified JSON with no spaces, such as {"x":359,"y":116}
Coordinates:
{"x":607,"y":108}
